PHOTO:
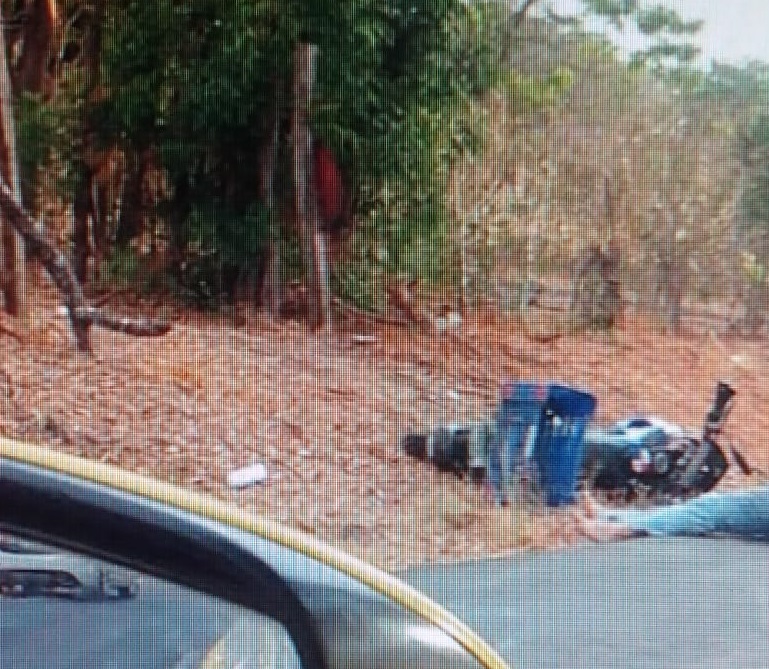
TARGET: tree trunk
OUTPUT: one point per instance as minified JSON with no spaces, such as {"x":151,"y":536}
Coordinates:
{"x":520,"y":13}
{"x":13,"y":251}
{"x":670,"y":267}
{"x":33,"y":72}
{"x":81,"y":235}
{"x":272,"y":288}
{"x":596,"y":300}
{"x":91,"y":57}
{"x":313,"y":244}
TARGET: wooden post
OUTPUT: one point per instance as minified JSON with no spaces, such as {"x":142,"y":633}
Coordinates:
{"x":313,"y":244}
{"x":272,"y":290}
{"x":12,"y":280}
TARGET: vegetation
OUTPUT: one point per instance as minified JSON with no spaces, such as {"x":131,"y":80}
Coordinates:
{"x":483,"y":148}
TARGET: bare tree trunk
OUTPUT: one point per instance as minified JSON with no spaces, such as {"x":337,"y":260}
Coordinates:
{"x":13,"y":251}
{"x":534,"y":241}
{"x":39,"y":35}
{"x":92,"y":44}
{"x":272,"y":289}
{"x":81,"y":235}
{"x":313,"y":244}
{"x":520,"y":13}
{"x":596,"y":301}
{"x":670,"y":264}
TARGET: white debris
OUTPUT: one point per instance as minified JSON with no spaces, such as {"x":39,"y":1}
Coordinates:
{"x":364,"y":339}
{"x":451,"y":321}
{"x":249,"y":475}
{"x":741,"y":360}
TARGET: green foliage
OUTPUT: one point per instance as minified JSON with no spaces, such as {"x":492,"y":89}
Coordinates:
{"x":121,"y":268}
{"x":651,"y":21}
{"x":529,"y":94}
{"x":360,"y":284}
{"x":222,"y":242}
{"x":660,"y":19}
{"x":45,"y":128}
{"x":663,"y":26}
{"x":754,"y":270}
{"x":238,"y":237}
{"x":664,"y":52}
{"x":190,"y":77}
{"x":755,"y":199}
{"x":742,"y":89}
{"x":199,"y":79}
{"x":615,"y":11}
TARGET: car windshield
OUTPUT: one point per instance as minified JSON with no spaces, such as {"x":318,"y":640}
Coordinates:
{"x":475,"y":292}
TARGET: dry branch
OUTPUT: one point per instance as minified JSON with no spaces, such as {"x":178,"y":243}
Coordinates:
{"x":520,"y":14}
{"x":401,"y":296}
{"x":81,"y":314}
{"x":4,"y":329}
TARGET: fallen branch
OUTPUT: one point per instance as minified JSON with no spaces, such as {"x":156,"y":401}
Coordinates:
{"x":4,"y":329}
{"x":137,"y":327}
{"x":350,"y":310}
{"x":400,"y":295}
{"x":81,"y":315}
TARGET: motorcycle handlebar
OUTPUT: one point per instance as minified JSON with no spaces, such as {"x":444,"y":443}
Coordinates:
{"x":719,"y":410}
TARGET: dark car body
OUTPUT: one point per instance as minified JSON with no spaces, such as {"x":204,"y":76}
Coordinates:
{"x":338,"y":610}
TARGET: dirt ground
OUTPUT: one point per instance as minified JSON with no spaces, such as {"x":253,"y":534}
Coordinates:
{"x":324,"y":413}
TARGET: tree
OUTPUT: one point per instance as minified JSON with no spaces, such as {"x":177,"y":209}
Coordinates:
{"x":313,"y":245}
{"x":204,"y":81}
{"x":665,"y":31}
{"x":754,"y":214}
{"x":40,"y":31}
{"x":737,"y":97}
{"x":13,"y":251}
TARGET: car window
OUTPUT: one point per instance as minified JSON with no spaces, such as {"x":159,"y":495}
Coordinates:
{"x":59,"y":609}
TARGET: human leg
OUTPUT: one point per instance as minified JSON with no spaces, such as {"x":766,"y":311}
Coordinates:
{"x":743,"y":513}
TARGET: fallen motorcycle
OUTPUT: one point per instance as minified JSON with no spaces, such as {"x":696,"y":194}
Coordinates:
{"x":651,"y":459}
{"x":640,"y":457}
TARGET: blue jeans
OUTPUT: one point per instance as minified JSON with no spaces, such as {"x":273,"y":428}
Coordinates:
{"x":507,"y":453}
{"x":741,"y":513}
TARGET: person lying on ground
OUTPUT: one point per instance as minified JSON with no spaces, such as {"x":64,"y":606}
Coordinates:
{"x":738,"y":513}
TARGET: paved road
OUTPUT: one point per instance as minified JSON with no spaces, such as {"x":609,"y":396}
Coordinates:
{"x":647,"y":604}
{"x":163,"y":626}
{"x":644,"y":604}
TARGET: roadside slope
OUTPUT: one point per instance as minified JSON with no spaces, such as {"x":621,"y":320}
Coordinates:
{"x":324,"y":414}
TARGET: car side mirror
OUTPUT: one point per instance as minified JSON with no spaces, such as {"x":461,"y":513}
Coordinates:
{"x":95,"y":613}
{"x":255,"y":641}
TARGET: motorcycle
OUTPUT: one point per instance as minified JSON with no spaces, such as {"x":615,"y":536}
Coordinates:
{"x":652,"y":459}
{"x":640,"y":457}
